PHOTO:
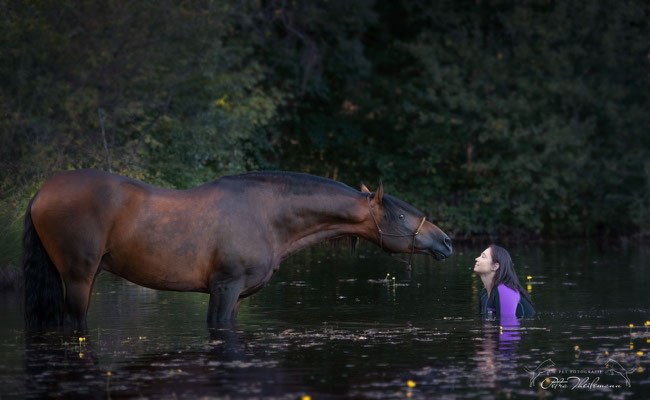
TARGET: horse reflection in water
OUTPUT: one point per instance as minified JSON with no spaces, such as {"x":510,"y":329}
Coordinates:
{"x":55,"y":365}
{"x":226,"y":238}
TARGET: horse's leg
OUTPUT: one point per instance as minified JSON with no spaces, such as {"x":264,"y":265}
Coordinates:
{"x":253,"y":290}
{"x":78,"y":287}
{"x":235,"y":310}
{"x":76,"y":304}
{"x":223,"y":299}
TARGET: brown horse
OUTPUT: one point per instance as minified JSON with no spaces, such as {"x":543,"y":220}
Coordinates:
{"x":226,"y":238}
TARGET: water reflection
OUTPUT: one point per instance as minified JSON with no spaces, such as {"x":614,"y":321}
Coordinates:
{"x":509,"y":335}
{"x":226,"y":343}
{"x":56,"y":366}
{"x":339,"y":329}
{"x":61,"y":366}
{"x":497,"y":352}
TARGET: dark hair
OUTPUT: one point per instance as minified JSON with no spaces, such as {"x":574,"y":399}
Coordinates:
{"x":506,"y":273}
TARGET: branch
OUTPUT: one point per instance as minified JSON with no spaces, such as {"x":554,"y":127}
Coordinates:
{"x":313,"y":57}
{"x":107,"y":153}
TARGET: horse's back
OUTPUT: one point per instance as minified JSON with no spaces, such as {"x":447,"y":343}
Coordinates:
{"x":80,"y":193}
{"x":90,"y":201}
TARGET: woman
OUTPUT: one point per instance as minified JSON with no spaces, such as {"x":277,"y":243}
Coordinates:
{"x":503,"y":295}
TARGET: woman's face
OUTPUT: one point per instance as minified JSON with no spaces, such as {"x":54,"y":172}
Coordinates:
{"x":484,"y":263}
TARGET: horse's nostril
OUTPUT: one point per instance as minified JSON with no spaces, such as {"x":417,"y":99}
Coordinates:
{"x":448,"y":242}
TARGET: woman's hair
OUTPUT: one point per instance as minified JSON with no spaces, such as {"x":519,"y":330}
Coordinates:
{"x":506,"y":273}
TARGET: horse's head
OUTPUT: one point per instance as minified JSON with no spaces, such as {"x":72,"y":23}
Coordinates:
{"x":401,"y":228}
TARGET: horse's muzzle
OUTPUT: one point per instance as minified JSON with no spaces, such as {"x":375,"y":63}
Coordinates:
{"x":440,"y":248}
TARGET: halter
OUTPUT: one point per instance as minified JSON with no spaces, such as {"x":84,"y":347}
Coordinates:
{"x":382,"y":233}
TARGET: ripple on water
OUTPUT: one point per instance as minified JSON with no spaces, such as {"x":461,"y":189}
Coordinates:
{"x":340,"y":329}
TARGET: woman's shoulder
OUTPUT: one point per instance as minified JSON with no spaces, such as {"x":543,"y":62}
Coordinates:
{"x":502,"y":288}
{"x":510,"y":297}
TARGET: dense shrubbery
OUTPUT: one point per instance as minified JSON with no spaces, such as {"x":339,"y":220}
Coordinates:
{"x":496,"y":117}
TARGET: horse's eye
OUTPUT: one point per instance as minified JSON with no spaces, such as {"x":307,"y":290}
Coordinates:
{"x":401,"y":216}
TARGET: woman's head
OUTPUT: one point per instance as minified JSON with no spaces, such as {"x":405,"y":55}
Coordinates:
{"x":497,"y":261}
{"x":485,"y":266}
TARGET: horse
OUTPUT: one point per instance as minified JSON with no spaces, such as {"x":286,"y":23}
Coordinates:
{"x":226,"y":238}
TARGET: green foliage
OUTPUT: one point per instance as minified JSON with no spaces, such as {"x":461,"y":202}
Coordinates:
{"x":158,"y":90}
{"x":497,"y":117}
{"x":493,"y":116}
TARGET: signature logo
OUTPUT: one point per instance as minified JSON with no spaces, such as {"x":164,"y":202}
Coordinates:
{"x":586,"y":379}
{"x":543,"y":368}
{"x":613,"y":367}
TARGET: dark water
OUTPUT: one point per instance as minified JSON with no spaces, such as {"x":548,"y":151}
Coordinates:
{"x":330,"y":326}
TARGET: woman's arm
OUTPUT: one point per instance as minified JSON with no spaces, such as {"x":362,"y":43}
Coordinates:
{"x":526,"y":309}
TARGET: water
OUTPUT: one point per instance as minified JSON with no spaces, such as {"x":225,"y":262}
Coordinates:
{"x":330,"y":325}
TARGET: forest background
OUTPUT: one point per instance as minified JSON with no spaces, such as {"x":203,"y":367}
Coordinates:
{"x":503,"y":118}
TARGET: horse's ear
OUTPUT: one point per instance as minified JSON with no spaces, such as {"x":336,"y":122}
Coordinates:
{"x":364,"y":188}
{"x":380,"y":192}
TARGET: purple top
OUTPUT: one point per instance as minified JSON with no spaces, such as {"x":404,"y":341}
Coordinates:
{"x":504,"y":302}
{"x":508,"y":299}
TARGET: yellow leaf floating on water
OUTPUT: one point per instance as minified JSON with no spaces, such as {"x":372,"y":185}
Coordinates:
{"x":81,"y":355}
{"x":108,"y":373}
{"x":306,"y":397}
{"x":410,"y":383}
{"x":221,"y":102}
{"x":639,"y":353}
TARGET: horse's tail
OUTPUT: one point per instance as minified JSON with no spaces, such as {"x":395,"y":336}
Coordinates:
{"x":43,"y":287}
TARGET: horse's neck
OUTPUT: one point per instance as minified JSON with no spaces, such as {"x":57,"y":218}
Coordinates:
{"x":315,"y":219}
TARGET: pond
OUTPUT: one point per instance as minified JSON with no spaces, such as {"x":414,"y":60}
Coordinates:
{"x":337,"y":325}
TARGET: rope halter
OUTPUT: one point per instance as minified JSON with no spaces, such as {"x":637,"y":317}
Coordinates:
{"x":382,"y":233}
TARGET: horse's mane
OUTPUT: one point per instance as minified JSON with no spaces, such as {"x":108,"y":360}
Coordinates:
{"x":305,"y":184}
{"x":295,"y":182}
{"x":348,"y":242}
